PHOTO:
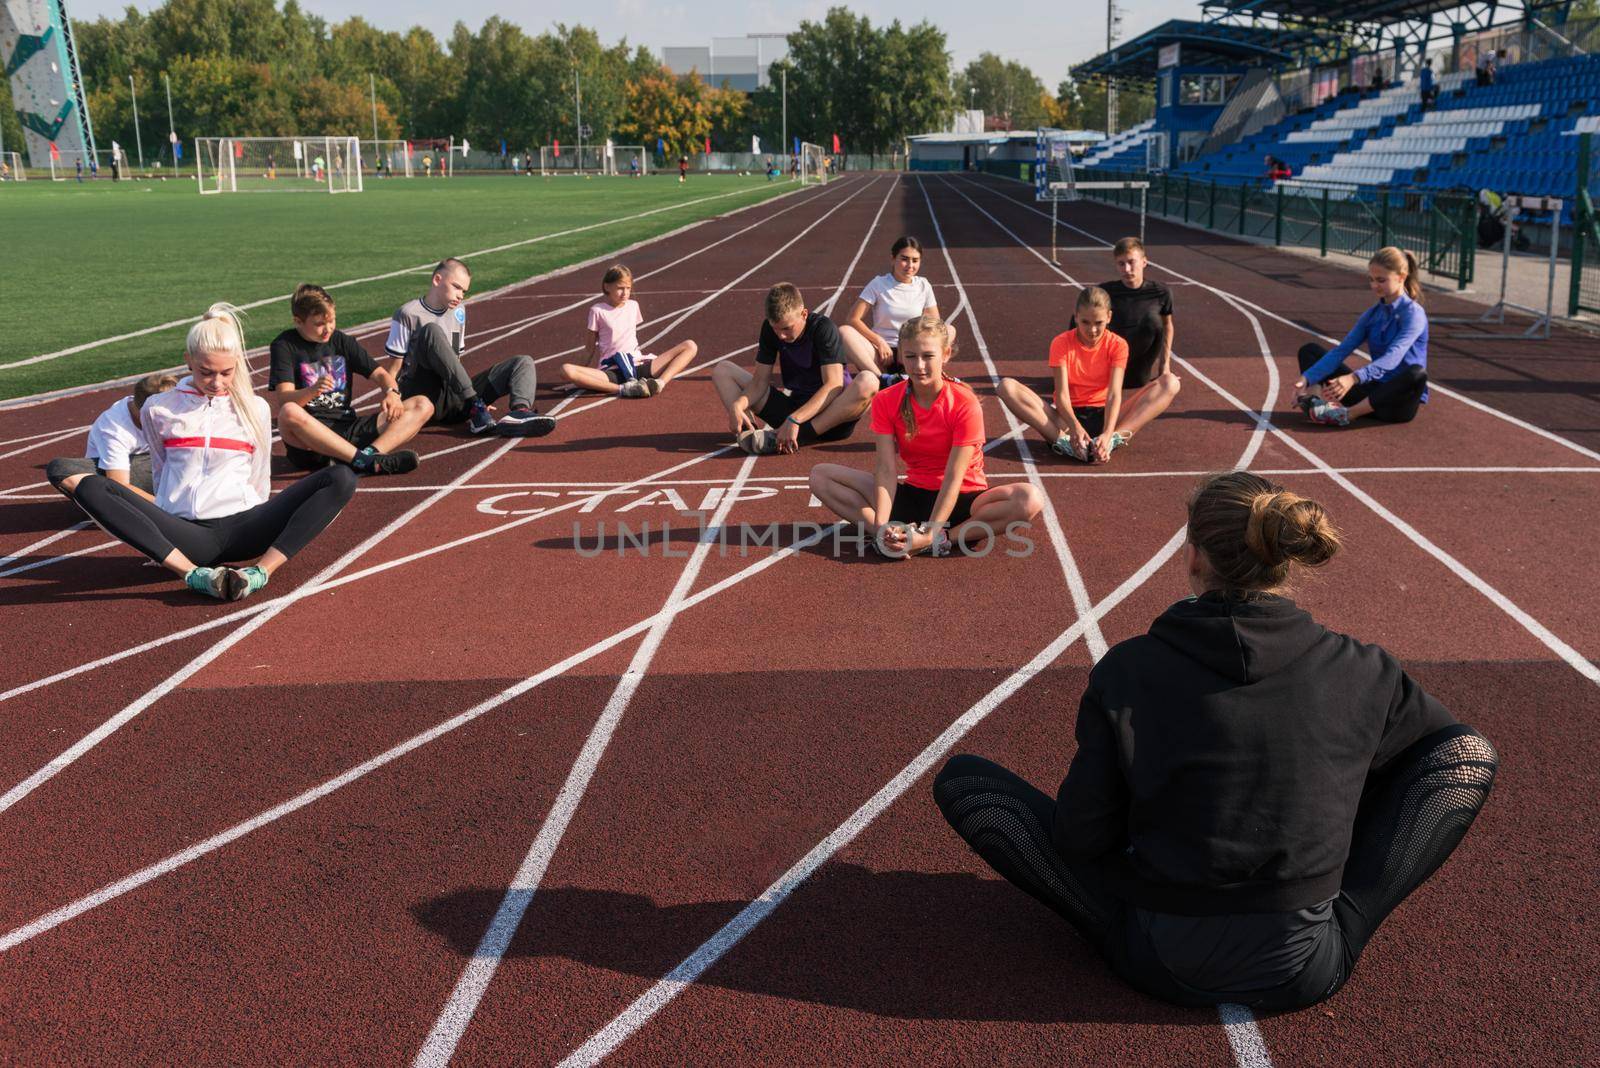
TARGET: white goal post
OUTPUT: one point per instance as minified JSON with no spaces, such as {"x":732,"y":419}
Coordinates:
{"x":278,"y":164}
{"x":813,"y":164}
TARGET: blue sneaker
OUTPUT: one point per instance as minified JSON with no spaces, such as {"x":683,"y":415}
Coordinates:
{"x":479,"y":421}
{"x":524,"y":423}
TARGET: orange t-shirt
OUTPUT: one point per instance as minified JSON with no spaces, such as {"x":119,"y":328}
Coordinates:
{"x":955,"y":420}
{"x":1088,"y":370}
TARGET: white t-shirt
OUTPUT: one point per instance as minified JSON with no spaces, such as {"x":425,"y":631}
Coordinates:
{"x":893,"y":303}
{"x":617,"y":325}
{"x":114,"y":439}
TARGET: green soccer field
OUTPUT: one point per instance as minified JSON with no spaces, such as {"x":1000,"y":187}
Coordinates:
{"x":87,"y":263}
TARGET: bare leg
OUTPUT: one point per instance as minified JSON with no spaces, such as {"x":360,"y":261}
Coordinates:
{"x":1029,"y":407}
{"x":590,"y":378}
{"x":850,"y":403}
{"x":415,"y":413}
{"x":1151,"y":400}
{"x":673,"y":362}
{"x":846,"y":492}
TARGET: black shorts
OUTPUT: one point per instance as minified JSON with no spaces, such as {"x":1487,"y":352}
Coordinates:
{"x":780,"y":405}
{"x":1093,"y":420}
{"x":358,"y":430}
{"x":913,"y":505}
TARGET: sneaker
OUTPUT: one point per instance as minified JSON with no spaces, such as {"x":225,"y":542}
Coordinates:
{"x":1328,"y":414}
{"x":207,"y":580}
{"x":639,"y":388}
{"x":763,"y":442}
{"x":240,"y":582}
{"x":370,"y":461}
{"x":1062,"y":446}
{"x":524,"y":423}
{"x":479,"y":421}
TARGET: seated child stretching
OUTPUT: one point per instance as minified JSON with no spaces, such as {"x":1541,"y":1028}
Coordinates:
{"x":1089,"y":362}
{"x":816,"y":402}
{"x":313,"y":363}
{"x":616,"y":365}
{"x":117,"y":446}
{"x":935,"y":424}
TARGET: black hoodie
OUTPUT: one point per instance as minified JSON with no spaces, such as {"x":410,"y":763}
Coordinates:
{"x":1221,"y":757}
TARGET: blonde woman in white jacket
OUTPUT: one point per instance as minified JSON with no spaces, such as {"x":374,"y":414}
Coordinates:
{"x":210,"y":454}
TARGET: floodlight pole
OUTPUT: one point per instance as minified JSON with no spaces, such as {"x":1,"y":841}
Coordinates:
{"x":138,"y":139}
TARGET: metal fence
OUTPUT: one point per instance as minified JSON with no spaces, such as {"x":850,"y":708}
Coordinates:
{"x":1585,"y":293}
{"x":1440,"y":229}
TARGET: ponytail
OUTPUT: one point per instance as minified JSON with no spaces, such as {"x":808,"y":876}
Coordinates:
{"x":1252,"y":532}
{"x":219,"y":332}
{"x":1399,"y":261}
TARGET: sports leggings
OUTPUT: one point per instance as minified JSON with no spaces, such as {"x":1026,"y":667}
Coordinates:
{"x":1411,"y":817}
{"x":286,"y":522}
{"x":1394,"y":400}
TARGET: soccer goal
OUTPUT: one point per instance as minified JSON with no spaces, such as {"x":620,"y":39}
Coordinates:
{"x":278,"y":164}
{"x":388,"y":159}
{"x":621,"y":159}
{"x":813,"y":164}
{"x":11,"y":167}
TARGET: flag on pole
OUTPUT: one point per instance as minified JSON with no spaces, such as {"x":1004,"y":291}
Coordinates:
{"x":55,"y":153}
{"x":836,"y":144}
{"x":558,"y":148}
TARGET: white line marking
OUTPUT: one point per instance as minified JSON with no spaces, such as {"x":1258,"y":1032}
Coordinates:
{"x":1095,"y":640}
{"x":457,"y":1014}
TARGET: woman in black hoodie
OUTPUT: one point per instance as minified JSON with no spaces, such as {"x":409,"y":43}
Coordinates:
{"x":1252,"y":794}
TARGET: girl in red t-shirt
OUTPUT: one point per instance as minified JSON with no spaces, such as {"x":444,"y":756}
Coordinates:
{"x":935,"y":425}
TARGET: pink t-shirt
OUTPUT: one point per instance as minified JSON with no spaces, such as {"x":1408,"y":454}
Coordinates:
{"x":618,"y":326}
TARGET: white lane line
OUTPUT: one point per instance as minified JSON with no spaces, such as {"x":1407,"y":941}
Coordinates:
{"x":42,"y":542}
{"x":1245,"y":301}
{"x":1095,"y":640}
{"x":111,"y":891}
{"x":73,"y":753}
{"x":458,"y":1012}
{"x":689,"y":971}
{"x":174,"y":324}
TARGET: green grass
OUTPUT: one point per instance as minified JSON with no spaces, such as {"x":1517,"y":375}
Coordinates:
{"x":87,"y":262}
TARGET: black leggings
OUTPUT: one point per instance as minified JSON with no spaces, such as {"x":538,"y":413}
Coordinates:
{"x":1410,"y":820}
{"x":1394,"y":400}
{"x":286,"y":522}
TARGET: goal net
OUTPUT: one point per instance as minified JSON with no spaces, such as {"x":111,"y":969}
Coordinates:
{"x":11,"y":167}
{"x":1053,"y":178}
{"x":278,"y":164}
{"x":627,"y":161}
{"x":813,"y":164}
{"x":388,"y":159}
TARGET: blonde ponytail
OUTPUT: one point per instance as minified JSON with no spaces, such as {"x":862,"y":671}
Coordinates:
{"x":219,"y":332}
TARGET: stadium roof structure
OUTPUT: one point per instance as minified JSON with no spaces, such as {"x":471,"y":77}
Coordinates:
{"x":1204,"y":44}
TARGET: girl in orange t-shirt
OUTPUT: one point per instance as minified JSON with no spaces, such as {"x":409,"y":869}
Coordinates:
{"x":1088,"y":362}
{"x":934,"y":424}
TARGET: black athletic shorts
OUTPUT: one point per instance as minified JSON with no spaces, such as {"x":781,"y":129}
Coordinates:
{"x":913,"y":505}
{"x":780,"y":406}
{"x":358,"y":430}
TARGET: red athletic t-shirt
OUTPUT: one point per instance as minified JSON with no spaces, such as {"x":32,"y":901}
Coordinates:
{"x":955,"y":420}
{"x":1088,"y":370}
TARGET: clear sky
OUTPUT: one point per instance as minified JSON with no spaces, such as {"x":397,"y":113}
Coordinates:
{"x":1047,"y":35}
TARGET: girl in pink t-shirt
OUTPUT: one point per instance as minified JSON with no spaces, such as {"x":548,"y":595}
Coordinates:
{"x":615,"y":364}
{"x":935,"y":424}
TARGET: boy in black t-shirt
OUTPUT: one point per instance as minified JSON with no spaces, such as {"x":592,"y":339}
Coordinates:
{"x":816,"y":402}
{"x":312,"y":368}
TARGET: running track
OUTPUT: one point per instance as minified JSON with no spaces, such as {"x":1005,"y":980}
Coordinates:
{"x":457,"y":789}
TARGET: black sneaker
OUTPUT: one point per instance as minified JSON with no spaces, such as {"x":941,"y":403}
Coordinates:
{"x":524,"y":423}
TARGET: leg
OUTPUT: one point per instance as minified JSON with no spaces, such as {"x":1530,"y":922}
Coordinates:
{"x":848,"y":406}
{"x":858,"y":351}
{"x":1007,"y":823}
{"x":414,"y":415}
{"x":846,"y":492}
{"x":302,"y":430}
{"x":591,"y":378}
{"x":177,"y":544}
{"x":63,"y":468}
{"x":1150,"y":401}
{"x":1412,"y":817}
{"x":1031,"y":409}
{"x":673,"y":362}
{"x":515,"y":377}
